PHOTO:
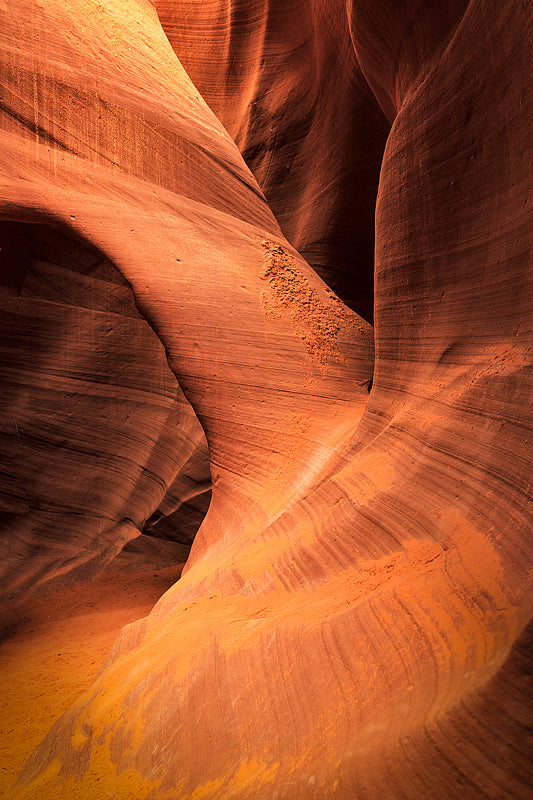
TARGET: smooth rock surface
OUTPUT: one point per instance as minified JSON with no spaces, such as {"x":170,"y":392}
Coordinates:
{"x":354,"y":617}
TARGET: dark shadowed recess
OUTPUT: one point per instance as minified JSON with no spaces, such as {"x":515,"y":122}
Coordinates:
{"x":100,"y":452}
{"x":325,"y":203}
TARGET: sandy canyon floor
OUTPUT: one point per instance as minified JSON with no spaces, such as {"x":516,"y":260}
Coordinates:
{"x":53,"y":646}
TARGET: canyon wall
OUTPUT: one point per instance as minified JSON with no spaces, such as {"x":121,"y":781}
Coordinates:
{"x":353,"y":620}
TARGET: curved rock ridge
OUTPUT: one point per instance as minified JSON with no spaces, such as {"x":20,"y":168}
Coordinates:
{"x":354,"y":616}
{"x":286,"y":83}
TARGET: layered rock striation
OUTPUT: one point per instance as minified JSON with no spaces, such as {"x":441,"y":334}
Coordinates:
{"x":97,"y":436}
{"x":354,"y":616}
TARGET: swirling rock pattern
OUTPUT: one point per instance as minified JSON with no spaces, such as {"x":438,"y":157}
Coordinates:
{"x":287,"y":85}
{"x":353,"y":619}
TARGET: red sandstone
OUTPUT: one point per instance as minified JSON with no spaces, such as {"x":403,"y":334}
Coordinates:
{"x":189,"y":202}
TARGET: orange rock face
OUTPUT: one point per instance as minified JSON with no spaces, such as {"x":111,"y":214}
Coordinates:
{"x":353,"y":620}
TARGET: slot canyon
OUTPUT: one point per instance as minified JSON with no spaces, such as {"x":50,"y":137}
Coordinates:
{"x":267,"y":400}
